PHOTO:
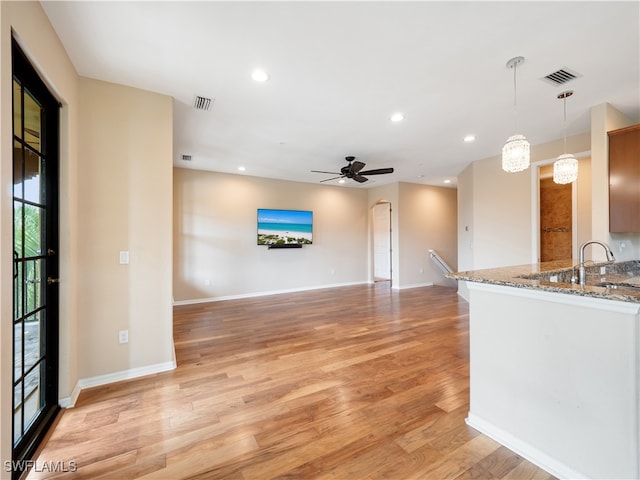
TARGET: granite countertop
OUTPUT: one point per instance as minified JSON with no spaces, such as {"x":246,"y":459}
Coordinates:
{"x":557,"y":277}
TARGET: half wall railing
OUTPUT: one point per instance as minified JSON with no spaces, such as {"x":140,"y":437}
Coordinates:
{"x":439,"y":261}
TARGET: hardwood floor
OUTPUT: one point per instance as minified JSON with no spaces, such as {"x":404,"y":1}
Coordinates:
{"x":348,"y":383}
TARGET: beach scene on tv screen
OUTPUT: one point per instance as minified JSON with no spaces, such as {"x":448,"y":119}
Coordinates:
{"x":280,"y":227}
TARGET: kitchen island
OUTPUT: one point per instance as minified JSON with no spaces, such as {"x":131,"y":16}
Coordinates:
{"x":555,"y":366}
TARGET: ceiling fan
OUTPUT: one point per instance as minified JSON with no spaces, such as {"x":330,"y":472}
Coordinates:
{"x":354,"y":171}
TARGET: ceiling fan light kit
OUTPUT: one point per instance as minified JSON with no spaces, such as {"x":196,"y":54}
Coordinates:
{"x":516,"y":151}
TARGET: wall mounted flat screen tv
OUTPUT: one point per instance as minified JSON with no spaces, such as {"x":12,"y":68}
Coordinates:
{"x":284,"y":227}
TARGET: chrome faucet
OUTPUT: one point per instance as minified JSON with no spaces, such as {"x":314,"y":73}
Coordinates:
{"x":582,"y":276}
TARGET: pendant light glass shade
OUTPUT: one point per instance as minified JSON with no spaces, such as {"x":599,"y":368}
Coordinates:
{"x":515,"y":154}
{"x":565,"y":169}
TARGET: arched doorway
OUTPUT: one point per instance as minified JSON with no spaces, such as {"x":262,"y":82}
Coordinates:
{"x":381,"y":242}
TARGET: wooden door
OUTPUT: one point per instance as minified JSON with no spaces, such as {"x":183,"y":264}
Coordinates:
{"x":555,"y":218}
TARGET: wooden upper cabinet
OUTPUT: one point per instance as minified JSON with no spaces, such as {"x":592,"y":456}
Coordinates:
{"x":624,"y":180}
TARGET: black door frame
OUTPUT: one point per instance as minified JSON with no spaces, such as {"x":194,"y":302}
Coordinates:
{"x":27,"y":76}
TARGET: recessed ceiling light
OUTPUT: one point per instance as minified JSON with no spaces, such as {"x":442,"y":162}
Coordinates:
{"x":242,"y":169}
{"x":469,"y":138}
{"x":447,"y":181}
{"x":397,"y":117}
{"x":260,"y":75}
{"x":342,"y":180}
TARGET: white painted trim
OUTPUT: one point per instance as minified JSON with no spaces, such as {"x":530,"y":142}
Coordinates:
{"x":263,"y":294}
{"x":636,"y":326}
{"x":524,"y":449}
{"x":413,"y":285}
{"x":68,"y":402}
{"x":617,"y":306}
{"x":463,"y":296}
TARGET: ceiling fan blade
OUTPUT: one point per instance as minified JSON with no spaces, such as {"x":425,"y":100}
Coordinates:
{"x":329,"y":179}
{"x":357,"y":166}
{"x":360,"y":178}
{"x":320,"y":171}
{"x":377,"y":171}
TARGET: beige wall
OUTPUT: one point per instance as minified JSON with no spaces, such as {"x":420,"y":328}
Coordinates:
{"x":40,"y":43}
{"x":215,"y":234}
{"x":115,"y":184}
{"x":427,"y":220}
{"x":215,"y":251}
{"x":125,"y":190}
{"x":465,"y":224}
{"x":501,"y":216}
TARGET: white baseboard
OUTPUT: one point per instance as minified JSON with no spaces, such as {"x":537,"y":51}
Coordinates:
{"x":263,"y":294}
{"x":70,"y":401}
{"x":463,"y":296}
{"x":525,"y":450}
{"x":413,"y":285}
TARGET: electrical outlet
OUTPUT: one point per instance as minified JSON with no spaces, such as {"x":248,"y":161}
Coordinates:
{"x":123,"y":336}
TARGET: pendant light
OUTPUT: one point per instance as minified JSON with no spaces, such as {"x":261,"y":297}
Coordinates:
{"x":565,"y":168}
{"x":515,"y":153}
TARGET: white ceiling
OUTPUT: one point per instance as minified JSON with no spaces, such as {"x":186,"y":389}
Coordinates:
{"x":338,"y":70}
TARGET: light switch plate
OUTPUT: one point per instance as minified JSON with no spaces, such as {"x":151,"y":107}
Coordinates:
{"x":124,"y":258}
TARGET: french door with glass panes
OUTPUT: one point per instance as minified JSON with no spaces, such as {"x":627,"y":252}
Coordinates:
{"x":35,"y":258}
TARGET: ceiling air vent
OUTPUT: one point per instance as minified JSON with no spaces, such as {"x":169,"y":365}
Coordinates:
{"x":202,"y":103}
{"x":186,"y":158}
{"x":560,"y":77}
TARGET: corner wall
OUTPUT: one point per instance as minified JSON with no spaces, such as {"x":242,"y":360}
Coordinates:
{"x":126,"y":147}
{"x":427,"y":220}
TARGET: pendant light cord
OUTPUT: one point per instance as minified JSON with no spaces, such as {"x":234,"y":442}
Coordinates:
{"x":564,"y":96}
{"x":515,"y":89}
{"x":513,"y":64}
{"x":565,"y":124}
